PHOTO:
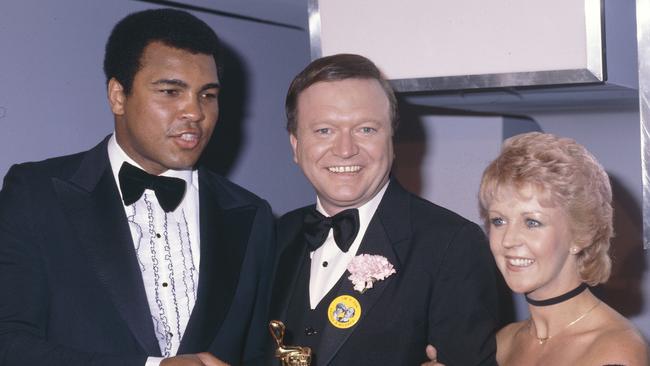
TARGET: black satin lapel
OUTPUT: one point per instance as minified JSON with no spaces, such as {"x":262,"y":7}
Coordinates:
{"x":394,"y":213}
{"x":375,"y":242}
{"x":100,"y":224}
{"x":224,"y":237}
{"x":286,"y":274}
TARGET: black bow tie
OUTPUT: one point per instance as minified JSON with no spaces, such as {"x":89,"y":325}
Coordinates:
{"x":344,"y":223}
{"x":133,"y":181}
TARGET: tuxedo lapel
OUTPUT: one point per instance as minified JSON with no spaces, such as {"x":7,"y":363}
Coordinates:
{"x":92,"y":202}
{"x":374,"y":242}
{"x":387,"y":231}
{"x":225,"y":228}
{"x":394,"y":213}
{"x":289,"y":265}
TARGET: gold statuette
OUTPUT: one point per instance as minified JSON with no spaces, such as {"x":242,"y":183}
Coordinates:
{"x":289,"y":355}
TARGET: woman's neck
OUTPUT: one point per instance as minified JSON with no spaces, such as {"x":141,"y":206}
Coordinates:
{"x":548,"y":321}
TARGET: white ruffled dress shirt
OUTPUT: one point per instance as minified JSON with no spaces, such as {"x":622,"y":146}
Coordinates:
{"x":167,"y":246}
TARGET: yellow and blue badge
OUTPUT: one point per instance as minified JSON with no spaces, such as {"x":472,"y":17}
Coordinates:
{"x":344,"y":312}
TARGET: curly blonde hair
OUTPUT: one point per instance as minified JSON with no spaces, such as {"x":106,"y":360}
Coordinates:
{"x":570,"y":177}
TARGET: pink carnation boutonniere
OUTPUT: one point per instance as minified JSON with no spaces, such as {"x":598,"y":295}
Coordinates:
{"x":366,"y":269}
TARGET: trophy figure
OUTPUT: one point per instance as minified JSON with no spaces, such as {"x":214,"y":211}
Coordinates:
{"x":289,"y":355}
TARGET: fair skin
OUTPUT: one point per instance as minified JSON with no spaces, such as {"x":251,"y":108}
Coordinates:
{"x":343,"y":142}
{"x":534,"y":249}
{"x":531,"y":243}
{"x":199,"y":359}
{"x":166,"y":121}
{"x":432,"y":354}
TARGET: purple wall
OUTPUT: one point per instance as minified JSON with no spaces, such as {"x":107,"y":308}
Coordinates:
{"x":53,"y":97}
{"x":52,"y":102}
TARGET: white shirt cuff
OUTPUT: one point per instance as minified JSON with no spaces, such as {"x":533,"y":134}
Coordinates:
{"x":153,"y":361}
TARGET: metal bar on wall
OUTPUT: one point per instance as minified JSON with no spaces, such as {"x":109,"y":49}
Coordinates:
{"x":643,"y":48}
{"x":314,"y":29}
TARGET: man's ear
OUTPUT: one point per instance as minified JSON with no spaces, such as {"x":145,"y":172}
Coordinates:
{"x":294,"y":144}
{"x":116,"y":97}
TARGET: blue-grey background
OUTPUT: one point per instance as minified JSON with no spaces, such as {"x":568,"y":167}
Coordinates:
{"x":53,"y":102}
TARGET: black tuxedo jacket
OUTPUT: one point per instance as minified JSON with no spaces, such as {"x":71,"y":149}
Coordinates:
{"x":444,"y":291}
{"x":72,"y":291}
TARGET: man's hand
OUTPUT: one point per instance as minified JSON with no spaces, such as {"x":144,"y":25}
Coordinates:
{"x":433,"y":357}
{"x":199,"y":359}
{"x":209,"y":360}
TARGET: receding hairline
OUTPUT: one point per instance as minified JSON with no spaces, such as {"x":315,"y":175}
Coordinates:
{"x":377,"y":83}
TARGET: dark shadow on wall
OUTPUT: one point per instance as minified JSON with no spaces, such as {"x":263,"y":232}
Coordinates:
{"x":410,"y":139}
{"x":411,"y":147}
{"x":228,"y":138}
{"x":515,"y":125}
{"x":623,"y":291}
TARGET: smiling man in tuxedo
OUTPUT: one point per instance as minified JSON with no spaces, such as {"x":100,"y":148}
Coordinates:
{"x":128,"y":254}
{"x":371,"y":273}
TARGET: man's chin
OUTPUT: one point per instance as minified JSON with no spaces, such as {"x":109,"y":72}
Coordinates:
{"x":187,"y":164}
{"x":341,"y":202}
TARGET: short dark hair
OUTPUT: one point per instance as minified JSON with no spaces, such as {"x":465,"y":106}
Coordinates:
{"x":174,"y":28}
{"x":335,"y":68}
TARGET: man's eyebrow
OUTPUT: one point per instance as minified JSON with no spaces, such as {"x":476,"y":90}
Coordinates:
{"x":175,"y":82}
{"x":182,"y":84}
{"x":211,"y":86}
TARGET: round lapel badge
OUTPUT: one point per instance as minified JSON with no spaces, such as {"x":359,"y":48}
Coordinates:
{"x":344,"y":311}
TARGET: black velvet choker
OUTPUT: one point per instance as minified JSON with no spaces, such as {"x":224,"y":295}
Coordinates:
{"x":558,"y":299}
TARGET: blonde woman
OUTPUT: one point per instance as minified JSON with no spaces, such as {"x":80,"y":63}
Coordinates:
{"x":546,"y":203}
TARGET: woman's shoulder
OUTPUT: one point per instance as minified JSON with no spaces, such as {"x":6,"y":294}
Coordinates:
{"x":512,"y":328}
{"x":506,"y":335}
{"x":618,"y":342}
{"x":506,"y":340}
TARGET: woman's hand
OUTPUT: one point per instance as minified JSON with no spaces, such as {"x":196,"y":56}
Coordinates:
{"x":432,"y":353}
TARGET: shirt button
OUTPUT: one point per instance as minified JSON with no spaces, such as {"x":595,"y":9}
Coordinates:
{"x":309,"y":331}
{"x":164,"y":284}
{"x":157,"y":235}
{"x":325,"y":263}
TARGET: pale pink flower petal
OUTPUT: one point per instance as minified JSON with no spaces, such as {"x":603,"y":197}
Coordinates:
{"x":365,"y":269}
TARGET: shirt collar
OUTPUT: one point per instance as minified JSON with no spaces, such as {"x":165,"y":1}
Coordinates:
{"x":366,"y":211}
